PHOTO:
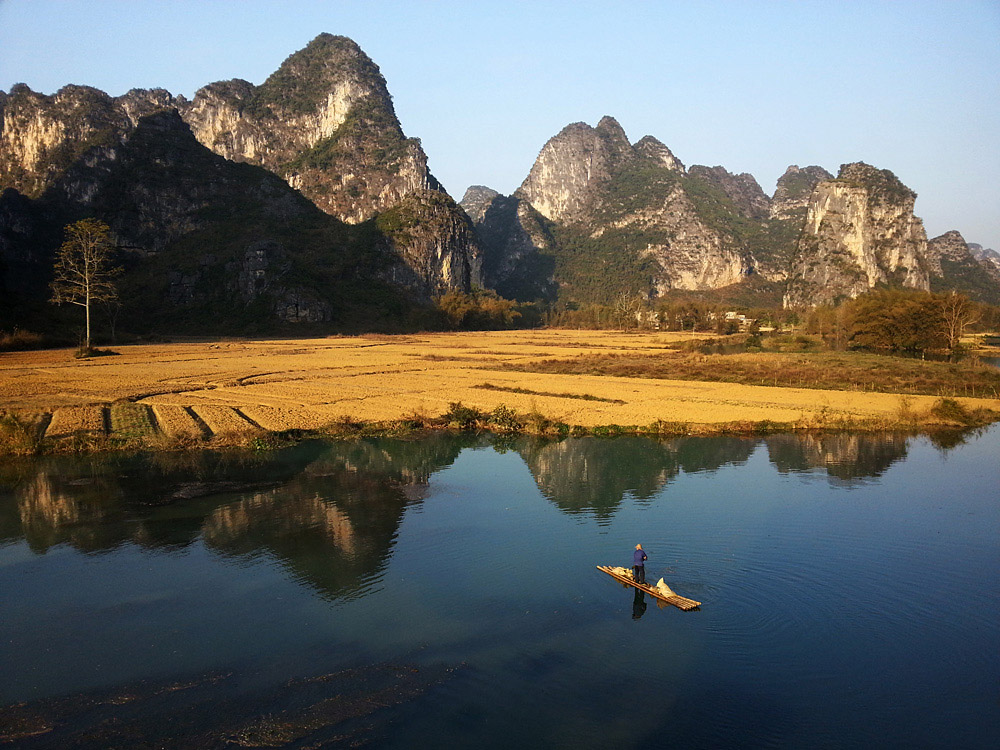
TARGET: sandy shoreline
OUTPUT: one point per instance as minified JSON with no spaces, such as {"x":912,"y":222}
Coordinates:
{"x":224,"y":386}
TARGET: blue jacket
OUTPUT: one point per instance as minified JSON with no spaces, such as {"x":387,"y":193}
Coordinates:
{"x":639,"y":558}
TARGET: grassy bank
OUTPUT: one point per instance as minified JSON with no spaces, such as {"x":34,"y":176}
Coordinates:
{"x":128,"y":428}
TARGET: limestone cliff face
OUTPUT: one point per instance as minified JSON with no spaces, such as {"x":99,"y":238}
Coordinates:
{"x":955,"y":265}
{"x":436,"y":242}
{"x":985,"y":255}
{"x":653,"y":150}
{"x":794,"y":188}
{"x":239,"y":164}
{"x":573,"y":166}
{"x":477,"y":201}
{"x":517,"y":246}
{"x":859,"y":231}
{"x":324,"y":121}
{"x":607,"y":197}
{"x":42,"y":136}
{"x":688,"y":253}
{"x":950,"y":246}
{"x":164,"y":196}
{"x":742,"y":189}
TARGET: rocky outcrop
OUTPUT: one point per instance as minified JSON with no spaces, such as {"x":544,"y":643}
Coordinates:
{"x":985,"y":255}
{"x":651,"y":149}
{"x":859,"y":231}
{"x":742,"y":189}
{"x":955,"y":266}
{"x":436,"y":242}
{"x":636,"y":202}
{"x":517,"y":246}
{"x":794,"y":188}
{"x":477,"y":201}
{"x":687,"y":251}
{"x":948,"y":247}
{"x":43,"y":136}
{"x":247,"y":171}
{"x":324,"y":121}
{"x":565,"y":180}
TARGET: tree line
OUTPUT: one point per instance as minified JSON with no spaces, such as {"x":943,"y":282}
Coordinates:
{"x":889,"y":320}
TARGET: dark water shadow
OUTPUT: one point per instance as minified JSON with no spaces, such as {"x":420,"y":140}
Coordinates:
{"x":348,"y":708}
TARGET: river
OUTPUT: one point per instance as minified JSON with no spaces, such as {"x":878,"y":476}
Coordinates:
{"x":443,"y":592}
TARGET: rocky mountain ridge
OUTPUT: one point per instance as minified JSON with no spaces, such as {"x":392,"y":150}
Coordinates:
{"x":324,"y":121}
{"x":180,"y":182}
{"x":302,"y":200}
{"x":605,"y":203}
{"x":859,"y":232}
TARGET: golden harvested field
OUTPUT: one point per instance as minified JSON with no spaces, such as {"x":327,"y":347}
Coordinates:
{"x":218,"y":387}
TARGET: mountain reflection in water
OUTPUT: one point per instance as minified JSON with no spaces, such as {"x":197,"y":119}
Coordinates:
{"x":593,"y":475}
{"x":329,"y":512}
{"x":418,"y":592}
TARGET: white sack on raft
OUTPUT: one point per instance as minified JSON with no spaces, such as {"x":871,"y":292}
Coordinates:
{"x":664,"y":589}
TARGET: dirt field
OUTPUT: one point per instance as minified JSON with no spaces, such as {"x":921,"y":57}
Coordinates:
{"x":213,"y":388}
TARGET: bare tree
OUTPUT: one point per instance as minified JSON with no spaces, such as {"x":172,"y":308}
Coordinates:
{"x":958,"y":313}
{"x":626,"y":308}
{"x":84,"y":272}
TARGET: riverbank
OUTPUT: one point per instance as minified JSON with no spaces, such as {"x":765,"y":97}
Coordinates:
{"x":252,"y":393}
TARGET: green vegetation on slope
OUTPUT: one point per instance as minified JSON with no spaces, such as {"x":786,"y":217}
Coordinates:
{"x":370,"y":136}
{"x":302,"y":82}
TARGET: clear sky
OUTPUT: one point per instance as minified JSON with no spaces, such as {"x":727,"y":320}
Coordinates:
{"x":753,"y":85}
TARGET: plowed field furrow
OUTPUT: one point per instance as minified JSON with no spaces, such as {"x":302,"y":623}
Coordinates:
{"x":70,"y":420}
{"x":276,"y":418}
{"x":175,"y":421}
{"x":222,"y":419}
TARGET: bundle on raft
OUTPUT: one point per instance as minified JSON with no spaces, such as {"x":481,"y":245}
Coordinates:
{"x":661,"y":591}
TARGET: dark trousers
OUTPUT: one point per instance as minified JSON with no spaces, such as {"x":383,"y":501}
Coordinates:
{"x":639,"y":573}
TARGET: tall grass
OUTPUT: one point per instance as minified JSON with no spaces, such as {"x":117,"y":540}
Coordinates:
{"x":18,"y":436}
{"x":18,"y":340}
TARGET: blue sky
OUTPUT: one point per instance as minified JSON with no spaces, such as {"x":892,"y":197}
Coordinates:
{"x":752,"y":85}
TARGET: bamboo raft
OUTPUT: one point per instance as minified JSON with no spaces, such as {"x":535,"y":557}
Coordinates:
{"x":678,"y":601}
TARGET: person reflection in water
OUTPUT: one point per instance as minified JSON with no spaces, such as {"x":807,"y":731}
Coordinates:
{"x":639,"y":565}
{"x":638,"y":605}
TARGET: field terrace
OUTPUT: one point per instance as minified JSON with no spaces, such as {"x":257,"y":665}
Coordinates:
{"x":212,"y":388}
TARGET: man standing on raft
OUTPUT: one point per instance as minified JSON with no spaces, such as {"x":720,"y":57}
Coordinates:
{"x":639,"y":565}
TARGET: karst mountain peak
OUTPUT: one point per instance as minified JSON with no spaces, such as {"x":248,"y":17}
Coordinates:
{"x":607,"y":203}
{"x":301,"y":199}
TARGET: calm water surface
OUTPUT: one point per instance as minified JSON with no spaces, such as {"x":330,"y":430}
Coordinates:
{"x":442,"y":592}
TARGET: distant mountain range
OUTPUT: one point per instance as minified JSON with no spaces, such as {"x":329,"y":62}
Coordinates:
{"x":302,"y":201}
{"x":598,"y":216}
